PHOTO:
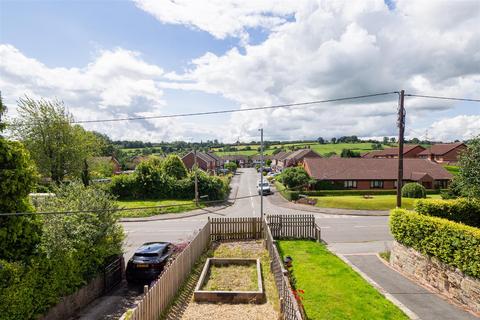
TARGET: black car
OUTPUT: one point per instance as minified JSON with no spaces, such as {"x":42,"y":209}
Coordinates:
{"x":148,"y":261}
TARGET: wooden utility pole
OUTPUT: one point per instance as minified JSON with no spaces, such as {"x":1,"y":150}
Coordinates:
{"x":261,"y":174}
{"x":401,"y":131}
{"x":195,"y":166}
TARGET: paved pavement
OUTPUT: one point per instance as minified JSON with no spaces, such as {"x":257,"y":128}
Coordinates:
{"x":358,"y":237}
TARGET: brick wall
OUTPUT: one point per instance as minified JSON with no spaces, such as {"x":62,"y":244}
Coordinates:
{"x":448,"y":281}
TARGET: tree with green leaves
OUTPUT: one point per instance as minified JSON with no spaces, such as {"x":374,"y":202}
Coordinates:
{"x":231,"y":166}
{"x":3,"y":110}
{"x":58,"y":148}
{"x":174,"y":167}
{"x":468,"y":179}
{"x":295,"y":177}
{"x":19,"y":235}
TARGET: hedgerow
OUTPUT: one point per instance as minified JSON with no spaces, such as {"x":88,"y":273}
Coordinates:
{"x":413,"y":190}
{"x":453,"y":243}
{"x":462,"y":210}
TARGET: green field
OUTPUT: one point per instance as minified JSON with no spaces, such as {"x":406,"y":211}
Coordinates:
{"x":377,"y":202}
{"x":319,"y":148}
{"x":453,"y":169}
{"x":177,"y":207}
{"x":332,"y":290}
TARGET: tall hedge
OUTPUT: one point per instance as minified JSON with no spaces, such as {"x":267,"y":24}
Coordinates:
{"x":462,"y":210}
{"x":453,"y":243}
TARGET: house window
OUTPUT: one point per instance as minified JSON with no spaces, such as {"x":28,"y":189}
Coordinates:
{"x":350,"y":184}
{"x":376,"y":184}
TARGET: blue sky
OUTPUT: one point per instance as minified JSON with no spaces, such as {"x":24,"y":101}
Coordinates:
{"x":161,"y":57}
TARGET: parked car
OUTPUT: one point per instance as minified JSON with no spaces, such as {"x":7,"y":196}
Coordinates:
{"x":265,"y":187}
{"x":149,"y":261}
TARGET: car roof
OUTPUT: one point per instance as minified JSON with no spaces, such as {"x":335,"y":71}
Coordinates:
{"x":152,"y":247}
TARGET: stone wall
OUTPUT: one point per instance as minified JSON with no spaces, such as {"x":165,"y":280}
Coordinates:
{"x":449,"y":281}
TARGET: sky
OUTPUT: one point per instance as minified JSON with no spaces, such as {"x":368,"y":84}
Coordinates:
{"x":115,"y":59}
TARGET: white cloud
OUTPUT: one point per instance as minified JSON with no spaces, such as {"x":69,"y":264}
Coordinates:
{"x":461,"y":127}
{"x":221,"y":18}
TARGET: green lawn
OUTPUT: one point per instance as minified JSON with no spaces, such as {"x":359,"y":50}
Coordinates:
{"x":377,"y":202}
{"x":332,"y":289}
{"x":453,"y":169}
{"x":183,"y":205}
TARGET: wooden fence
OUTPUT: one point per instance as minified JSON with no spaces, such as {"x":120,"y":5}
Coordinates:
{"x":301,"y":226}
{"x":288,"y":304}
{"x":161,"y":294}
{"x":235,"y":228}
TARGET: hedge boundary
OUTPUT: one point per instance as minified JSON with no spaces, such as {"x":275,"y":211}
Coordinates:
{"x":453,"y":243}
{"x":462,"y":210}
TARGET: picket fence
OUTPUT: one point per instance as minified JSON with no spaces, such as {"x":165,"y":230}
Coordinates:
{"x":160,"y":295}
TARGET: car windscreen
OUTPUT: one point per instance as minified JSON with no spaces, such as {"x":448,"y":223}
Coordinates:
{"x":146,"y":254}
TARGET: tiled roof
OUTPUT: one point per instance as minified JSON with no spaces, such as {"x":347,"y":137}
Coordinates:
{"x":440,"y":149}
{"x":372,"y":169}
{"x":298,"y":154}
{"x":391,"y":151}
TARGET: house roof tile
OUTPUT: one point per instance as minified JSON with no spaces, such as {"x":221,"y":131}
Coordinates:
{"x":441,"y":149}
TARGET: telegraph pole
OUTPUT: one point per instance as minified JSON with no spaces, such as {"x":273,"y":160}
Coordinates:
{"x":261,"y":173}
{"x":401,"y":131}
{"x":196,"y":178}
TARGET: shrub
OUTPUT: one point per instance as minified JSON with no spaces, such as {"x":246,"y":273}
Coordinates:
{"x":462,"y":210}
{"x":174,"y":167}
{"x":452,"y":243}
{"x":413,"y":190}
{"x":231,"y":166}
{"x":294,"y":177}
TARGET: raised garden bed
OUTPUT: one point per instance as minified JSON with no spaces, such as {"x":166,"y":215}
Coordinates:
{"x":230,"y":280}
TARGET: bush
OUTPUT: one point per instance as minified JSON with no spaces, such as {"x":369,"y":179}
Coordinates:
{"x":294,"y":177}
{"x":231,"y":166}
{"x":452,"y":243}
{"x":413,"y":190}
{"x":462,"y":210}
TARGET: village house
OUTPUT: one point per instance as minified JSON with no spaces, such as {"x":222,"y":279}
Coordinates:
{"x":241,"y":160}
{"x":205,"y":161}
{"x":295,"y":158}
{"x":409,"y":151}
{"x":108,"y":161}
{"x":375,"y":173}
{"x":445,"y":153}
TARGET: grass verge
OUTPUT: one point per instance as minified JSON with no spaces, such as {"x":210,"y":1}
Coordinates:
{"x":332,"y":289}
{"x":376,"y":202}
{"x":178,"y":207}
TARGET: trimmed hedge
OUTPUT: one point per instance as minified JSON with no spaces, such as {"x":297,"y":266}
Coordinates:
{"x":453,"y":243}
{"x":462,"y":210}
{"x":414,"y":190}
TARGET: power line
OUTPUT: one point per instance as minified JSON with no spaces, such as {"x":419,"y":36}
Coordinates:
{"x":442,"y":98}
{"x":289,"y":105}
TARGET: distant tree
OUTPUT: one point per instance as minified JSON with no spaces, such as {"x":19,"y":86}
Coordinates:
{"x":392,"y":139}
{"x":347,"y":153}
{"x":415,"y":141}
{"x":377,"y":146}
{"x":231,"y":166}
{"x":334,"y":140}
{"x":174,"y":167}
{"x":385,"y":140}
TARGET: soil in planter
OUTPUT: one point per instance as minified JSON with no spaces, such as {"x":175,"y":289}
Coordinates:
{"x":232,"y":278}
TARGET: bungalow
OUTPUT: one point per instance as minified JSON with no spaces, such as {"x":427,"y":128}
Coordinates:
{"x":257,"y":159}
{"x":205,"y":161}
{"x":444,"y":152}
{"x":296,"y":157}
{"x":409,"y":151}
{"x":241,"y":160}
{"x":364,"y":173}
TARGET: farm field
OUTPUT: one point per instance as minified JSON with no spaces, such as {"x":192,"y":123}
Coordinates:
{"x":377,"y":202}
{"x":319,"y":148}
{"x":336,"y":291}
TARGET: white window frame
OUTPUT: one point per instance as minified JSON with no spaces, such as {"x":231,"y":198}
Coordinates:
{"x":350,"y":184}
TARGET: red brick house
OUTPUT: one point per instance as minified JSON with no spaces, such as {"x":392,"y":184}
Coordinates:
{"x":379,"y":173}
{"x":444,"y":152}
{"x":241,"y":160}
{"x":409,"y":151}
{"x":294,"y":158}
{"x":205,"y":161}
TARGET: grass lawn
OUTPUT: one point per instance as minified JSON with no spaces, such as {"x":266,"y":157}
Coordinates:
{"x":453,"y":169}
{"x":377,"y":202}
{"x":184,"y":205}
{"x":332,"y":289}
